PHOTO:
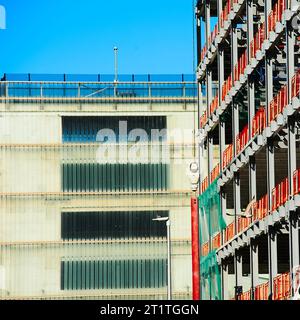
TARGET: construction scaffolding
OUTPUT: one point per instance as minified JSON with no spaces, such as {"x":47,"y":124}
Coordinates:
{"x":249,"y":87}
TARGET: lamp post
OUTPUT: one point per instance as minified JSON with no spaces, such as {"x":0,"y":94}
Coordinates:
{"x":168,"y":224}
{"x":116,"y":70}
{"x":116,"y":63}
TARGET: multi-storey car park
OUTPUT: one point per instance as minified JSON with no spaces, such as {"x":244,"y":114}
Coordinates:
{"x":249,"y":85}
{"x":73,"y":226}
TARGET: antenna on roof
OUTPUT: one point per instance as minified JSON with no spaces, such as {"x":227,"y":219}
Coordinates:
{"x":116,"y":64}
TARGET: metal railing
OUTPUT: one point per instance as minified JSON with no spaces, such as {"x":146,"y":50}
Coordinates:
{"x":177,"y":88}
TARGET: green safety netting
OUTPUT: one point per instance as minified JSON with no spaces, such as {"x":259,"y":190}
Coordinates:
{"x":210,"y":277}
{"x":211,"y":220}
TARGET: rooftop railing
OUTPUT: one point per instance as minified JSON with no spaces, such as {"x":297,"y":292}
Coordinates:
{"x":133,"y":88}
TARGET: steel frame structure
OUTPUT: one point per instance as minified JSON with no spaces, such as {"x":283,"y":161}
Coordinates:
{"x":251,"y":38}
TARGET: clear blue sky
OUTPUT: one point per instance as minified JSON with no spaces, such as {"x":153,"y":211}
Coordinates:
{"x":68,"y":36}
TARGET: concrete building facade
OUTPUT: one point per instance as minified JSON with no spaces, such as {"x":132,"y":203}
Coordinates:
{"x":248,"y":72}
{"x":74,"y":226}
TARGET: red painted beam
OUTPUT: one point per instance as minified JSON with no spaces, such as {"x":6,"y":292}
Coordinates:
{"x":195,"y":248}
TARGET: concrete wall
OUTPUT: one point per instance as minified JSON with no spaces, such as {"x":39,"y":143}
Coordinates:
{"x":29,"y":263}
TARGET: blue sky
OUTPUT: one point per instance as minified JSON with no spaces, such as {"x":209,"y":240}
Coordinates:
{"x":67,"y":36}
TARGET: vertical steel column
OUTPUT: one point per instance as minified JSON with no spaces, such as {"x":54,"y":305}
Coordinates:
{"x":222,"y":127}
{"x":208,"y":69}
{"x":224,"y":268}
{"x":210,"y":167}
{"x":254,"y":266}
{"x":269,"y":62}
{"x":202,"y":107}
{"x":224,"y":272}
{"x":273,"y":259}
{"x":210,"y":144}
{"x":267,"y":10}
{"x":294,"y":242}
{"x":235,"y":106}
{"x":235,"y":127}
{"x":293,"y":215}
{"x":199,"y":40}
{"x":168,"y":224}
{"x":207,"y":20}
{"x":252,"y":160}
{"x":252,"y":178}
{"x":237,"y":210}
{"x":200,"y":111}
{"x":290,"y":57}
{"x":221,"y":63}
{"x":209,"y":91}
{"x":238,"y":265}
{"x":237,"y":196}
{"x":251,"y":87}
{"x":292,"y":155}
{"x":222,"y":142}
{"x":209,"y":97}
{"x":253,"y":246}
{"x":272,"y":238}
